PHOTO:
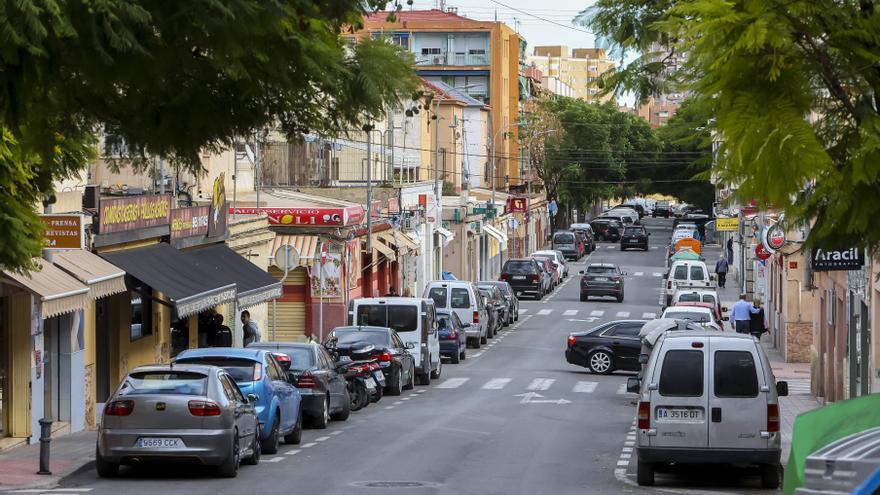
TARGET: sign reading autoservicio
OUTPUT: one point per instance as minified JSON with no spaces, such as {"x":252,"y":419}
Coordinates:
{"x":837,"y":259}
{"x":63,"y":231}
{"x":131,"y":213}
{"x":321,"y":217}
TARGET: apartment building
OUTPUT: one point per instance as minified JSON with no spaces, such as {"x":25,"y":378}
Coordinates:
{"x":573,"y":74}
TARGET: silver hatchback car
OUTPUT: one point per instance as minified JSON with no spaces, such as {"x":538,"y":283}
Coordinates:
{"x":179,"y":413}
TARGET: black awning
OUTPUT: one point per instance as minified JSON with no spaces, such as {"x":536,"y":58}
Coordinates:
{"x":255,"y":286}
{"x":192,"y":289}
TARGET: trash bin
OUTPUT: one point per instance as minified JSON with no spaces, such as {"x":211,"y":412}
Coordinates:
{"x":842,"y":466}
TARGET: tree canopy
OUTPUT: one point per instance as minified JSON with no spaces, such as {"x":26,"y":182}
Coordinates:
{"x":173,"y":79}
{"x":792,"y":85}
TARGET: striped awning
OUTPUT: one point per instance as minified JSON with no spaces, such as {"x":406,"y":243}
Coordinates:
{"x":57,"y":292}
{"x":103,"y":278}
{"x":406,"y":242}
{"x":398,"y":241}
{"x":383,"y":248}
{"x":305,"y":245}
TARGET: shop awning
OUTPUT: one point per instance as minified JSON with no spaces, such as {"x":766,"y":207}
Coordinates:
{"x":253,"y":286}
{"x":447,"y":235}
{"x":499,"y":236}
{"x":382,"y":248}
{"x":405,"y":240}
{"x":57,"y":291}
{"x":399,"y":240}
{"x":192,"y":289}
{"x":103,"y":278}
{"x":305,"y":245}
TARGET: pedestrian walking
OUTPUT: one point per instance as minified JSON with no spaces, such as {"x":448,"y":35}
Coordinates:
{"x":222,"y":336}
{"x":730,"y":249}
{"x":391,"y":292}
{"x":757,"y":322}
{"x":249,"y":328}
{"x":721,"y":268}
{"x":742,"y":312}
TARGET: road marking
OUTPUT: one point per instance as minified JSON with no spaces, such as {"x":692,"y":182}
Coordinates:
{"x":612,"y":247}
{"x":496,"y":384}
{"x":337,"y":432}
{"x":628,"y":450}
{"x":523,"y":311}
{"x":655,"y":247}
{"x":544,"y":312}
{"x":585,"y":387}
{"x":649,"y":316}
{"x":273,"y":459}
{"x":389,"y":407}
{"x":50,"y":490}
{"x":597,"y":313}
{"x":623,"y":463}
{"x":570,"y":312}
{"x":622,"y":314}
{"x":629,"y":443}
{"x":638,"y":274}
{"x":308,"y":445}
{"x":477,"y":354}
{"x":532,"y":398}
{"x":453,"y":383}
{"x":322,"y":439}
{"x":397,"y":403}
{"x":657,"y":274}
{"x":406,"y":398}
{"x":621,"y":389}
{"x":293,"y":452}
{"x":541,"y":384}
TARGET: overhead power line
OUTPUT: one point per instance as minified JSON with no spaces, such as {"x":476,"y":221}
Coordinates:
{"x":542,"y":18}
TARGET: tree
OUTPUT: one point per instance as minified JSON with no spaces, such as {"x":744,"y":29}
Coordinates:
{"x":793,"y":87}
{"x":173,"y":79}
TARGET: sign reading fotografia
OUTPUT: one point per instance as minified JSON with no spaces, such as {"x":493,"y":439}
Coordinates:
{"x":840,"y":259}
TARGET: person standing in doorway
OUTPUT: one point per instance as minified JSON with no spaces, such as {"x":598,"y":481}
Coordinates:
{"x":391,"y":292}
{"x":742,"y":312}
{"x":730,"y":249}
{"x":249,"y":328}
{"x":222,"y":336}
{"x":757,"y":323}
{"x":721,"y":268}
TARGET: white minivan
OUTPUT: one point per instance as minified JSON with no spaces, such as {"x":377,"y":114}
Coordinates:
{"x":686,"y":274}
{"x":462,"y":297}
{"x":708,"y":397}
{"x":414,"y":320}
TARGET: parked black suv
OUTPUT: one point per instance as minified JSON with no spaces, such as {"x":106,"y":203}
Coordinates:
{"x":524,"y":275}
{"x":634,"y":237}
{"x":606,"y":229}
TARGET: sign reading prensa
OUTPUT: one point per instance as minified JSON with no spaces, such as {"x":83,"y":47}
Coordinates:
{"x":63,"y":231}
{"x":841,"y":259}
{"x":137,"y":212}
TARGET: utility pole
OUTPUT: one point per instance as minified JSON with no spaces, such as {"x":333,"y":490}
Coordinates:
{"x":257,"y":160}
{"x":161,"y":176}
{"x":369,"y":129}
{"x":438,"y":192}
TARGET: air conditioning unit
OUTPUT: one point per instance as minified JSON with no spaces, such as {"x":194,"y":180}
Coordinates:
{"x":440,"y":60}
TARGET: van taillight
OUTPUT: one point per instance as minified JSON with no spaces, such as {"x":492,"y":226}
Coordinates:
{"x":119,"y":408}
{"x":772,"y":418}
{"x":476,"y":316}
{"x":669,"y":284}
{"x":644,"y":415}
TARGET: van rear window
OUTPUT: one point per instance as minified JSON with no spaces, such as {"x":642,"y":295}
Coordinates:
{"x":697,"y":273}
{"x":735,"y":374}
{"x":398,"y":317}
{"x":438,"y":294}
{"x":681,"y":273}
{"x":461,"y":298}
{"x":564,"y":238}
{"x":519,"y":268}
{"x":682,"y":374}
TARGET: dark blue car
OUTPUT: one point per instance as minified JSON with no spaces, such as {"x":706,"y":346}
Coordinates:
{"x":453,"y":338}
{"x":256,"y":371}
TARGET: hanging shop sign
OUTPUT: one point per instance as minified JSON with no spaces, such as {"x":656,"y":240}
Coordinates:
{"x":774,"y":237}
{"x":317,"y":217}
{"x":837,"y":259}
{"x":217,"y":215}
{"x":761,"y":252}
{"x":65,"y":231}
{"x":189,"y":222}
{"x":727,"y":224}
{"x":516,"y":205}
{"x":132,"y":213}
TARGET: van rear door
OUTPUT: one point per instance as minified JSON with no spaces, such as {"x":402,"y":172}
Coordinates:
{"x":679,"y":392}
{"x":738,"y":403}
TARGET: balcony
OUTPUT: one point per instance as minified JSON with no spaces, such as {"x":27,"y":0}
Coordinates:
{"x":452,"y":59}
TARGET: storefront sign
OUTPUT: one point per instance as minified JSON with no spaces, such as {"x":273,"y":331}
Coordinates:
{"x":217,"y":215}
{"x":63,"y":231}
{"x":774,"y":237}
{"x":761,"y":252}
{"x":332,"y":275}
{"x":393,"y":206}
{"x":188,"y":222}
{"x":842,"y":259}
{"x":516,"y":205}
{"x":319,"y":217}
{"x":726,"y":224}
{"x":138,"y":212}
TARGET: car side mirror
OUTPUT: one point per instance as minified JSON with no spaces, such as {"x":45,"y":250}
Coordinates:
{"x":782,"y":389}
{"x":254,"y":397}
{"x":410,"y":345}
{"x":633,"y":385}
{"x":643,"y":359}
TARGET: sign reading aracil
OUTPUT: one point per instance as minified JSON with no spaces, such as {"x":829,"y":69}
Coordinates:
{"x":840,"y":259}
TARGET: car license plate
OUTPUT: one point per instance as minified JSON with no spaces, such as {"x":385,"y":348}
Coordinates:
{"x":633,"y":241}
{"x":601,"y":279}
{"x":378,"y":376}
{"x":519,"y":277}
{"x":371,"y":384}
{"x":680,"y":414}
{"x":159,"y":443}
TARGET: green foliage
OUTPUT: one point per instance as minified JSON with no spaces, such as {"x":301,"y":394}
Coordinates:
{"x":173,"y":79}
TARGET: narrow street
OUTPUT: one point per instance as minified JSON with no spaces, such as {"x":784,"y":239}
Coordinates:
{"x":513,"y":418}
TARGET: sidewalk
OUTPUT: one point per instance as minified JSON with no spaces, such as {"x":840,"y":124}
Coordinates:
{"x":69,"y":454}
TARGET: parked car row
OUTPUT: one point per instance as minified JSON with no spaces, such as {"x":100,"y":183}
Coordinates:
{"x":539,"y":274}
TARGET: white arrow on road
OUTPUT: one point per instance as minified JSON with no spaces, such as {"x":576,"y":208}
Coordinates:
{"x":529,"y":398}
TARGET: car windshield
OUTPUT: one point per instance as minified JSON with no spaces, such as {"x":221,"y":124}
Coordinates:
{"x":398,"y":317}
{"x":601,"y":269}
{"x":444,"y":321}
{"x":687,"y":315}
{"x":519,"y":267}
{"x":689,"y":298}
{"x":165,"y":383}
{"x":632,"y":232}
{"x":301,"y":358}
{"x":241,"y":370}
{"x":375,"y":337}
{"x":564,"y":238}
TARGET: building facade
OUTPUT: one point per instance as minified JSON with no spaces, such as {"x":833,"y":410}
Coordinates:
{"x":576,"y":72}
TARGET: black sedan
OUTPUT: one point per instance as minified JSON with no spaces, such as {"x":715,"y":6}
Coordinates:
{"x":613,"y":346}
{"x":390,"y":352}
{"x":324,"y":392}
{"x":634,"y":237}
{"x":602,"y":279}
{"x":606,"y":229}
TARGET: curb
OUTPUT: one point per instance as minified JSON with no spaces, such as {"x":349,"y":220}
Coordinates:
{"x":51,"y":481}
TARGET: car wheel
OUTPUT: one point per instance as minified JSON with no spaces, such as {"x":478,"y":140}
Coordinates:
{"x":455,"y":358}
{"x":295,"y":436}
{"x":769,"y":476}
{"x":320,"y":421}
{"x":380,"y":391}
{"x":256,"y":451}
{"x":601,"y":362}
{"x":346,"y":409}
{"x":463,"y":354}
{"x":270,"y":443}
{"x":620,"y":298}
{"x":622,"y":248}
{"x":478,"y":342}
{"x":411,"y":383}
{"x":436,"y":373}
{"x":483,"y":339}
{"x":229,"y":468}
{"x":397,"y":388}
{"x":424,"y":379}
{"x":585,"y":297}
{"x":105,"y":468}
{"x":645,"y":474}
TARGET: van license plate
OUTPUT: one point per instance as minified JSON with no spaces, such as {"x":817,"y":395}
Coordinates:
{"x":680,"y":414}
{"x":159,"y":443}
{"x":519,"y":277}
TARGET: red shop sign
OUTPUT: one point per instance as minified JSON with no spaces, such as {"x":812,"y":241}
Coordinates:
{"x":761,"y":253}
{"x":320,"y":217}
{"x":516,"y":205}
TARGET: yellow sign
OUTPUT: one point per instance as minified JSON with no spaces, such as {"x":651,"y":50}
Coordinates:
{"x":727,"y":224}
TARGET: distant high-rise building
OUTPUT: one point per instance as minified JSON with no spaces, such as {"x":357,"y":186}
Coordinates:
{"x":572,"y":74}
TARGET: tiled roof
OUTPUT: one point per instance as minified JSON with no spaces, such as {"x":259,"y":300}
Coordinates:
{"x":419,"y":15}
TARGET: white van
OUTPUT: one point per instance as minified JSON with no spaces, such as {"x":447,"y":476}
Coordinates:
{"x":686,"y":274}
{"x":462,"y":297}
{"x":708,"y":397}
{"x":415,"y":321}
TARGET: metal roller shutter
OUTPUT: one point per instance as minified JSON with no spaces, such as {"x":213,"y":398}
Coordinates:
{"x":290,"y":316}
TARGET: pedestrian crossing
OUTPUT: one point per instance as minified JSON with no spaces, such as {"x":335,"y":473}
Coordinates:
{"x":596,"y":313}
{"x":534,"y":385}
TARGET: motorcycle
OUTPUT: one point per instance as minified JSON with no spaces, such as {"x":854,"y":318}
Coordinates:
{"x":363,"y":374}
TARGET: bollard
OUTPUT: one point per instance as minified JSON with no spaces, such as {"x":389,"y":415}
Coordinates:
{"x":45,"y":440}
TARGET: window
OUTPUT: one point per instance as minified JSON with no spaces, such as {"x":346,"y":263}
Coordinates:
{"x":461,"y":298}
{"x":438,"y":294}
{"x":563,"y":238}
{"x":430,"y":51}
{"x":682,"y":374}
{"x":228,"y":388}
{"x":141,"y":323}
{"x":593,"y":269}
{"x":276,"y":372}
{"x":695,"y":316}
{"x":708,"y":298}
{"x":519,"y":267}
{"x":631,"y":231}
{"x":164,"y":382}
{"x":347,"y":336}
{"x":681,"y":272}
{"x":625,"y":330}
{"x":697,"y":273}
{"x":301,"y":358}
{"x":735,"y":374}
{"x":398,"y":317}
{"x":689,"y":298}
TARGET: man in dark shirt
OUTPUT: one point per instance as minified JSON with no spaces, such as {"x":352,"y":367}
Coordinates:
{"x":222,"y":333}
{"x":757,"y":326}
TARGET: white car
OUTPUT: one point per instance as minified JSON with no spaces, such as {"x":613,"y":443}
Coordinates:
{"x":687,"y":274}
{"x":627,"y":212}
{"x":696,"y":295}
{"x":557,"y":258}
{"x":699,"y":315}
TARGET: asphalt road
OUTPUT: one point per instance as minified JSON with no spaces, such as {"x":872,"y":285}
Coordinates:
{"x":514,"y":418}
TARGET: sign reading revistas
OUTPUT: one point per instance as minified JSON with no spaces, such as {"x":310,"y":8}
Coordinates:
{"x":188,"y":222}
{"x":131,"y":213}
{"x":63,"y":231}
{"x":840,"y":259}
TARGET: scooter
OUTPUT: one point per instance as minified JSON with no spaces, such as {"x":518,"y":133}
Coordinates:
{"x":364,"y":375}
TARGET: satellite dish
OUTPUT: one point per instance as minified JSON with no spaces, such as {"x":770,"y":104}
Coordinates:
{"x":286,"y":258}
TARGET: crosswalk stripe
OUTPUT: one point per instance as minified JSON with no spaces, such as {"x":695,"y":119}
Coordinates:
{"x":523,"y":310}
{"x":496,"y":384}
{"x":570,"y":312}
{"x":453,"y":383}
{"x":597,"y":313}
{"x":541,"y":384}
{"x":638,"y":274}
{"x":622,"y":314}
{"x":657,"y":274}
{"x":648,"y":316}
{"x":611,"y":247}
{"x":545,"y":312}
{"x":621,"y":389}
{"x":585,"y":387}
